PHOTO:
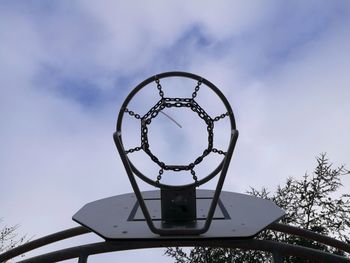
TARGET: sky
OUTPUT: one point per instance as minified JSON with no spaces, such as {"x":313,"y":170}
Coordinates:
{"x":66,"y":67}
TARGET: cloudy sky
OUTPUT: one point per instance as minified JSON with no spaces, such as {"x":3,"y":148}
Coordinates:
{"x":66,"y":67}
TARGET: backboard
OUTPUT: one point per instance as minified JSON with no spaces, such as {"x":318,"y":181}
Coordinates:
{"x":236,"y":216}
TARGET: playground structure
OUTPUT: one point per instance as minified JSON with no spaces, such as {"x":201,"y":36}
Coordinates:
{"x":178,"y":215}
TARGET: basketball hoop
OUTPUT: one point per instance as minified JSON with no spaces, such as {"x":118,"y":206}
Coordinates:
{"x":178,"y":202}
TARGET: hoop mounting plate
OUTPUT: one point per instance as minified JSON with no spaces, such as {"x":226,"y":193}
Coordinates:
{"x":236,"y":216}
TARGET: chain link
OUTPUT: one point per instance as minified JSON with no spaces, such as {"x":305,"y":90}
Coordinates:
{"x":196,"y":89}
{"x":159,"y":106}
{"x":221,"y":116}
{"x":214,"y":150}
{"x":201,"y":113}
{"x":133,"y":114}
{"x":195,"y":178}
{"x":133,"y":150}
{"x":159,"y":87}
{"x":159,"y":177}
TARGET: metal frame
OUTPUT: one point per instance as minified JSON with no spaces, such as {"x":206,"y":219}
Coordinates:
{"x":118,"y":134}
{"x":143,"y":206}
{"x":277,"y":249}
{"x":131,"y":169}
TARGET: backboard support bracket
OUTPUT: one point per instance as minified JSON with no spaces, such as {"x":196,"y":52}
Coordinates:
{"x":197,"y":229}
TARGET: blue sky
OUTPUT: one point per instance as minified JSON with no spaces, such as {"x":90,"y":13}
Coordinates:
{"x":66,"y":67}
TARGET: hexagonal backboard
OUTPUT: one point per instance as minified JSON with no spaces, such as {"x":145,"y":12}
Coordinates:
{"x":236,"y":216}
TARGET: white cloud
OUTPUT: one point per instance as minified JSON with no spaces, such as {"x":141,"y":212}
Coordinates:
{"x":58,"y":153}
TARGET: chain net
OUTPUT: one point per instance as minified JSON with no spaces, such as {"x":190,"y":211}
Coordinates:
{"x":166,"y":102}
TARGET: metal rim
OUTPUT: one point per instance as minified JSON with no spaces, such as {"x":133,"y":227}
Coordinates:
{"x":166,"y":75}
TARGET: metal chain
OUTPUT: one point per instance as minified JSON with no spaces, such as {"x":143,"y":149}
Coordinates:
{"x":195,"y":178}
{"x":201,"y":113}
{"x":196,"y":89}
{"x":159,"y":87}
{"x":221,"y":116}
{"x":159,"y":177}
{"x":214,"y":150}
{"x":177,"y":103}
{"x":133,"y":150}
{"x":133,"y":114}
{"x":159,"y":106}
{"x":144,"y":137}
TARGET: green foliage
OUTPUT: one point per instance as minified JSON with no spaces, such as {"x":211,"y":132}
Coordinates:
{"x":311,"y":203}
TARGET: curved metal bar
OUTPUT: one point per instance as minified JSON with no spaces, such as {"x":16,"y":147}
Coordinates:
{"x":307,"y":234}
{"x":43,"y":241}
{"x":76,"y":231}
{"x":249,"y":244}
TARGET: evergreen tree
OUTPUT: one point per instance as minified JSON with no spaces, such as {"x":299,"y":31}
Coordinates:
{"x":312,"y":203}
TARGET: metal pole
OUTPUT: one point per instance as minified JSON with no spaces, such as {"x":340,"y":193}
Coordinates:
{"x":68,"y":233}
{"x":249,"y":244}
{"x":276,"y":257}
{"x":83,"y":258}
{"x":307,"y":234}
